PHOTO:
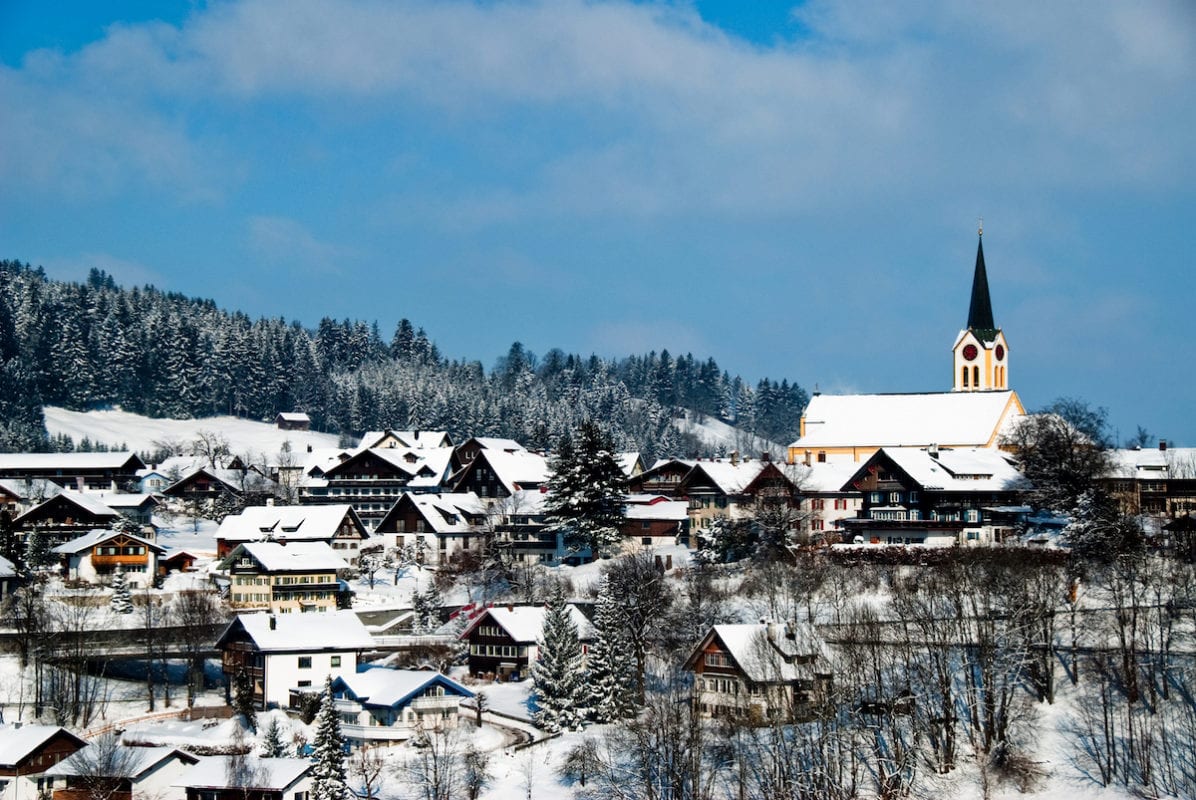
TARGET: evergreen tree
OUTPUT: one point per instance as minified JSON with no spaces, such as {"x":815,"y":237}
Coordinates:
{"x":328,"y":774}
{"x":122,"y":598}
{"x":37,"y":550}
{"x":243,"y":698}
{"x":610,"y":673}
{"x":557,"y":674}
{"x":272,"y":745}
{"x":585,"y":499}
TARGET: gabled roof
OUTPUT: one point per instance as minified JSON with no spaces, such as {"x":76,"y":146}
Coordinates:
{"x":451,"y":513}
{"x":229,"y":478}
{"x":728,"y":478}
{"x":630,"y":463}
{"x":518,"y":470}
{"x":118,"y":500}
{"x":135,"y":762}
{"x":526,"y":623}
{"x":25,"y":488}
{"x":83,"y":502}
{"x":216,"y":772}
{"x":292,"y":557}
{"x":293,"y":416}
{"x":330,"y":630}
{"x":1152,"y":463}
{"x":416,"y":440}
{"x":495,"y":443}
{"x":292,"y":523}
{"x":769,"y":652}
{"x":908,"y":420}
{"x":382,"y":687}
{"x":657,"y":509}
{"x":96,"y":537}
{"x":966,"y":470}
{"x":19,"y":742}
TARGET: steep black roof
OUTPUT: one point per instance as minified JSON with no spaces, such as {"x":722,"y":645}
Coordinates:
{"x":980,"y":312}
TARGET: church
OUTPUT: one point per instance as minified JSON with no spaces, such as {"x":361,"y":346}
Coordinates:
{"x":977,"y":412}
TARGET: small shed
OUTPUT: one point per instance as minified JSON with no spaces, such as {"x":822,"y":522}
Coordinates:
{"x":293,"y":421}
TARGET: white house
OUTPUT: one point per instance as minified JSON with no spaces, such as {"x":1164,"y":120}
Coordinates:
{"x":381,"y":704}
{"x":26,"y":752}
{"x":141,"y":771}
{"x":93,"y":557}
{"x":337,"y":525}
{"x":287,"y":651}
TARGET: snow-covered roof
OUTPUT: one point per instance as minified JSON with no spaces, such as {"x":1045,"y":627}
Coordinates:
{"x":416,"y":440}
{"x":391,"y":688}
{"x":292,"y":557}
{"x":217,"y":772}
{"x":7,"y":568}
{"x":134,"y":761}
{"x":447,"y":513}
{"x":894,"y":420}
{"x":293,"y":523}
{"x":627,"y":462}
{"x":731,"y":478}
{"x":660,"y":510}
{"x":824,"y":476}
{"x":19,"y":741}
{"x":67,"y":461}
{"x":87,"y":502}
{"x":769,"y":652}
{"x":330,"y":630}
{"x":964,"y":470}
{"x":496,"y":443}
{"x":526,"y":623}
{"x":1153,"y":463}
{"x":519,"y":469}
{"x":99,"y":536}
{"x":293,"y":416}
{"x":24,"y":488}
{"x":124,"y":499}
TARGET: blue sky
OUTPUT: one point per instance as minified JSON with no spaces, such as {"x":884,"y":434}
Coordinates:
{"x":793,"y":190}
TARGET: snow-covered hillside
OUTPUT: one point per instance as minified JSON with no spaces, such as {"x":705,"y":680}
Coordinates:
{"x":716,"y":434}
{"x":115,"y":427}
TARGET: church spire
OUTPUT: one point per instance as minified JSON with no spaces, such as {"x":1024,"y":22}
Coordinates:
{"x":980,"y":312}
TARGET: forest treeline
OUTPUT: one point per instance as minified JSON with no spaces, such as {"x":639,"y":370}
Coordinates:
{"x":95,"y":344}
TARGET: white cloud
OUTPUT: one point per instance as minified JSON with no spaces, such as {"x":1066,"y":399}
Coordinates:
{"x":284,"y":242}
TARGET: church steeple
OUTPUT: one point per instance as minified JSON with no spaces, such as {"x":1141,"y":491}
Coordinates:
{"x":980,"y":357}
{"x":980,"y":312}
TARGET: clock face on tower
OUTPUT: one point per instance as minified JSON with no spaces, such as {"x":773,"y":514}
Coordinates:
{"x":969,"y":352}
{"x":1000,"y":352}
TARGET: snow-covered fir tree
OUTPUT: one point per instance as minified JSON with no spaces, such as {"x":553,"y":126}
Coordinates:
{"x":272,"y":745}
{"x":243,"y":698}
{"x":328,"y":751}
{"x":585,"y":500}
{"x":37,"y":550}
{"x":426,"y":608}
{"x":610,"y":670}
{"x":122,"y":598}
{"x":557,"y":685}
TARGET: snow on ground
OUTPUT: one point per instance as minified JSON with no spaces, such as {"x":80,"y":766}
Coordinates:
{"x":115,"y":427}
{"x":716,"y":433}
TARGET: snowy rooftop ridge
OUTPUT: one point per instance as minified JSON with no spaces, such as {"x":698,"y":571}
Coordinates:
{"x":330,"y":630}
{"x":312,"y":522}
{"x":19,"y":741}
{"x":215,"y":772}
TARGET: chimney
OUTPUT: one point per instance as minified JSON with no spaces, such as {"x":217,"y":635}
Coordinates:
{"x":766,"y":456}
{"x":934,"y":451}
{"x":734,"y":457}
{"x":1163,"y":445}
{"x":309,"y":448}
{"x":273,"y":623}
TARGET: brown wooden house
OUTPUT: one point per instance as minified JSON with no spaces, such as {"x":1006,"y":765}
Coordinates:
{"x":504,"y":641}
{"x":26,"y":752}
{"x":65,"y":516}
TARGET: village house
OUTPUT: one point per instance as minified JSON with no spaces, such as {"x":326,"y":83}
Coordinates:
{"x":10,"y":579}
{"x":65,"y":516}
{"x":26,"y":752}
{"x":936,"y":497}
{"x":662,"y":478}
{"x":292,"y":421}
{"x":95,"y":556}
{"x":437,"y":526}
{"x":733,"y":489}
{"x":281,"y":652}
{"x":468,"y":450}
{"x":136,"y":772}
{"x":249,"y":778}
{"x":203,"y":484}
{"x":504,"y":641}
{"x":655,"y":520}
{"x":97,"y":472}
{"x":297,"y":577}
{"x":336,"y":525}
{"x":372,"y":480}
{"x":759,"y":672}
{"x":822,"y":500}
{"x":1153,"y":481}
{"x":378,"y":704}
{"x":499,"y":473}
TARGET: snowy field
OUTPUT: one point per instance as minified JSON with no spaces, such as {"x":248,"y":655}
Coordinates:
{"x":115,"y":427}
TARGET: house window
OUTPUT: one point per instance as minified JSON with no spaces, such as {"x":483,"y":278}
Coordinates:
{"x":304,"y":684}
{"x":913,"y":497}
{"x":817,"y":504}
{"x":840,"y":504}
{"x":646,"y":540}
{"x":876,"y":498}
{"x":822,"y":456}
{"x":304,"y":662}
{"x":334,"y":661}
{"x":914,"y":514}
{"x":717,"y":660}
{"x":894,"y":497}
{"x":817,"y":525}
